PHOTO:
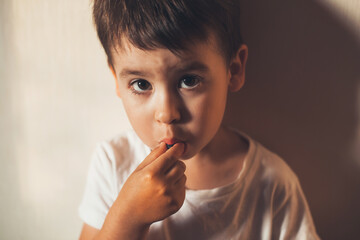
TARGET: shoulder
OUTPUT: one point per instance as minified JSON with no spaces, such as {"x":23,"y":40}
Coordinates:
{"x":290,"y":211}
{"x":263,"y":165}
{"x":271,"y":181}
{"x":268,"y":171}
{"x":282,"y":186}
{"x":122,"y":144}
{"x":274,"y":167}
{"x":121,"y":154}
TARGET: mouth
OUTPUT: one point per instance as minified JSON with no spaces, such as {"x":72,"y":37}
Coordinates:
{"x":170,"y":142}
{"x":168,"y":146}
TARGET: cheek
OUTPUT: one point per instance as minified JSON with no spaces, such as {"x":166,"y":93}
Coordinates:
{"x":133,"y":111}
{"x":207,"y":112}
{"x":140,"y":118}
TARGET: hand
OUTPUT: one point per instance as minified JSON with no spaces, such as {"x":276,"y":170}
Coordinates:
{"x":154,"y":191}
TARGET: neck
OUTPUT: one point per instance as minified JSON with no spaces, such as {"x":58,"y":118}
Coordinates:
{"x":218,"y":163}
{"x":214,"y":151}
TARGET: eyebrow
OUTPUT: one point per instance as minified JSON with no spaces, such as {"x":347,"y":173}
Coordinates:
{"x":194,"y":66}
{"x":129,"y":72}
{"x":187,"y":67}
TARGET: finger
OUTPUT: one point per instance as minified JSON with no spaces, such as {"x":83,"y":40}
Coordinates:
{"x":176,"y":172}
{"x":160,"y":149}
{"x":168,"y":159}
{"x":181,"y":182}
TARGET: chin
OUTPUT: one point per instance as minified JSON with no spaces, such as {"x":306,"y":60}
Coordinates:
{"x":189,"y":153}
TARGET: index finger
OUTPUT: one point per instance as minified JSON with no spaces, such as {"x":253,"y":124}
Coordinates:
{"x":169,"y":158}
{"x":153,"y":156}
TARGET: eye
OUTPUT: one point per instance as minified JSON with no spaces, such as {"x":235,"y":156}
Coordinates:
{"x":140,"y":85}
{"x":189,"y":82}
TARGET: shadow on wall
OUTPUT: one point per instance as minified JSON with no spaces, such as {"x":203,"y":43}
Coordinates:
{"x":300,"y":100}
{"x":9,"y":178}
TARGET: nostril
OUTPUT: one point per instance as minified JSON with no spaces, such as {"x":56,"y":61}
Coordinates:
{"x":168,"y":116}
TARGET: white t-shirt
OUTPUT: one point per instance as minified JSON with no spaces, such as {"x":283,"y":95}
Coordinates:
{"x":265,"y":202}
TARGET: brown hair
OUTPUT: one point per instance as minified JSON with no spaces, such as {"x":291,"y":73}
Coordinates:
{"x":171,"y":24}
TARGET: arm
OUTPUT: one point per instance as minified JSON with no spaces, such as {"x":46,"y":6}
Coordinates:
{"x":88,"y":232}
{"x":154,"y":191}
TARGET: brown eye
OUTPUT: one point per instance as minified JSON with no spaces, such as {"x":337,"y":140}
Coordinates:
{"x":140,"y":85}
{"x":189,"y":82}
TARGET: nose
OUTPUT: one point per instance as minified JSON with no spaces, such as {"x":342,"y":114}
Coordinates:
{"x":167,"y":108}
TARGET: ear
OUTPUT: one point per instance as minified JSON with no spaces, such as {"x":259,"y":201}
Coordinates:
{"x":237,"y":69}
{"x":116,"y":81}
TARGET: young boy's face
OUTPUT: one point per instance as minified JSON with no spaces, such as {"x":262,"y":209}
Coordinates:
{"x":174,"y":98}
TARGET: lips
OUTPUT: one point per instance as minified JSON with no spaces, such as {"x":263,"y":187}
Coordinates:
{"x":170,"y":141}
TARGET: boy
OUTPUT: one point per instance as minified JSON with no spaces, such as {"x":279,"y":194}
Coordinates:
{"x":182,"y":174}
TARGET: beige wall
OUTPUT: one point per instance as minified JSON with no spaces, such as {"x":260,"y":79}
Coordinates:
{"x":57,"y":100}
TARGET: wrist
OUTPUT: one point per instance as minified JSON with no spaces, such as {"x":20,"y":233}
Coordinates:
{"x":120,"y":223}
{"x":119,"y":232}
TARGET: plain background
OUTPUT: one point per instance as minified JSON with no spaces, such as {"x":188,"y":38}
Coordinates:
{"x":57,"y":100}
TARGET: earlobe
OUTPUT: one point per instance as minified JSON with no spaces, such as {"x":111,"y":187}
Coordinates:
{"x":237,"y":69}
{"x":116,"y":81}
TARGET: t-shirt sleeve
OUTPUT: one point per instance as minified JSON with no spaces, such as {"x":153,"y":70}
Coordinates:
{"x":292,"y":218}
{"x":100,"y":192}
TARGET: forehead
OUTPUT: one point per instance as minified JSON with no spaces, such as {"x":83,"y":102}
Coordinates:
{"x":129,"y":56}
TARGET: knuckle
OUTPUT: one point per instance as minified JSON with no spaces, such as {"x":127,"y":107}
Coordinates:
{"x":179,"y":166}
{"x":182,"y":181}
{"x":183,"y":166}
{"x":184,"y":178}
{"x":176,"y":201}
{"x":170,"y":200}
{"x":174,"y":205}
{"x":149,"y":177}
{"x":162,"y":190}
